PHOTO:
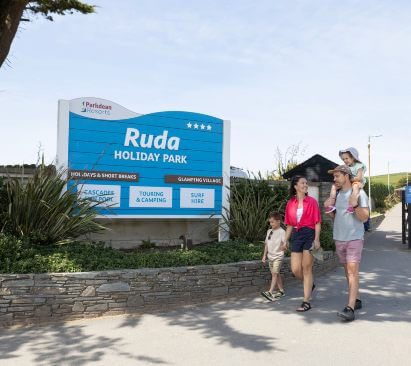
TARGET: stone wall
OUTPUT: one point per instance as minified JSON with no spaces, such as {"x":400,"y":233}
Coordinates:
{"x":129,"y":233}
{"x":34,"y":298}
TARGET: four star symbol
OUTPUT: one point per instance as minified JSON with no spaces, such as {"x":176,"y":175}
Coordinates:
{"x":196,"y":126}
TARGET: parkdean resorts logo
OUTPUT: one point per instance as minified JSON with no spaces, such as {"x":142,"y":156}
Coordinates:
{"x":95,"y":108}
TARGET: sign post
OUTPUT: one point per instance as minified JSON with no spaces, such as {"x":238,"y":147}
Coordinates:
{"x":163,"y":165}
{"x":407,"y":201}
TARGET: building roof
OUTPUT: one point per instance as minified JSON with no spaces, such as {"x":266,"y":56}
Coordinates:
{"x":315,"y":169}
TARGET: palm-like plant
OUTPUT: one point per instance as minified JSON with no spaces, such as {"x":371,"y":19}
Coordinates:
{"x":42,"y":209}
{"x":250,"y":203}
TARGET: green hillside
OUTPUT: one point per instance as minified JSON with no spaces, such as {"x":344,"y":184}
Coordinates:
{"x":394,"y":178}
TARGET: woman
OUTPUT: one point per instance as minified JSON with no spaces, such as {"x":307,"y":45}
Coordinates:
{"x":303,"y":220}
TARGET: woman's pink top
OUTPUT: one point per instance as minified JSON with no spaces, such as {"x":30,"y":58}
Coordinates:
{"x":311,"y":213}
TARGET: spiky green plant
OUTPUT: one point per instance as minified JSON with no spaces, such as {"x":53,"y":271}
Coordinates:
{"x":45,"y":212}
{"x":250,"y":203}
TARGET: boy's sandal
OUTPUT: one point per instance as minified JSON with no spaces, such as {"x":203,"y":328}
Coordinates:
{"x":279,"y":294}
{"x":305,"y":306}
{"x":267,"y":295}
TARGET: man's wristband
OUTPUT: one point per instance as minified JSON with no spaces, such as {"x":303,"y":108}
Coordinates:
{"x":356,"y":206}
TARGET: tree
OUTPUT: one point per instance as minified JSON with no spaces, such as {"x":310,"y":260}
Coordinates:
{"x":286,"y":161}
{"x":12,"y":12}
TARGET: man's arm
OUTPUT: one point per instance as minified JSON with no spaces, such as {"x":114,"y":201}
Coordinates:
{"x":330,"y":201}
{"x":360,"y":205}
{"x":362,"y":213}
{"x":331,"y":214}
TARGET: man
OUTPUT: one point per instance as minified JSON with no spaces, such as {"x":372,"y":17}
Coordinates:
{"x":348,"y":233}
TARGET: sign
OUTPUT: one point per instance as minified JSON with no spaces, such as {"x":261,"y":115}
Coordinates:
{"x":408,"y":195}
{"x":151,"y":197}
{"x":106,"y":195}
{"x":157,"y":165}
{"x":197,"y":198}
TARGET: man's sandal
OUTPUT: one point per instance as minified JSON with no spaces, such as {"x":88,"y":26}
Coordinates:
{"x":305,"y":306}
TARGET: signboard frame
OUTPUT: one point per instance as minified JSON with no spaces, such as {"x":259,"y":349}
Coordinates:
{"x":63,"y":158}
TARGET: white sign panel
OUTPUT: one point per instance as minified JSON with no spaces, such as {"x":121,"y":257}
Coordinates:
{"x":100,"y":109}
{"x":108,"y":195}
{"x":196,"y":198}
{"x":151,"y":196}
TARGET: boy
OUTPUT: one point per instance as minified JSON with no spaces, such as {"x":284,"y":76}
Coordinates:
{"x":274,"y":241}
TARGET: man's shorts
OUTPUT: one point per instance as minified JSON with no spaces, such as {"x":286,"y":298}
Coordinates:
{"x":302,"y":239}
{"x":275,"y":265}
{"x":349,"y":251}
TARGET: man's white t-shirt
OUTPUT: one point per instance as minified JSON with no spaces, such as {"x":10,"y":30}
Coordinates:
{"x":277,"y":238}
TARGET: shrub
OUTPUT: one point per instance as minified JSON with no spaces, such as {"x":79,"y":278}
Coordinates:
{"x":379,"y":192}
{"x":326,"y":236}
{"x":250,"y":203}
{"x":43,"y":211}
{"x":3,"y":203}
{"x":401,"y":182}
{"x":391,"y":200}
{"x":21,"y":256}
{"x":12,"y":250}
{"x":147,"y":244}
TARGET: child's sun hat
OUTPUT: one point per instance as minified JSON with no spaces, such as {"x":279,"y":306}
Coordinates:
{"x":353,"y":151}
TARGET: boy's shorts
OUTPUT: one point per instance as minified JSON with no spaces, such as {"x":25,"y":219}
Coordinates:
{"x":275,"y":265}
{"x":349,"y":251}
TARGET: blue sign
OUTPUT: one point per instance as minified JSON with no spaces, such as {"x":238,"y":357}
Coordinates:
{"x":408,"y":194}
{"x":165,"y":164}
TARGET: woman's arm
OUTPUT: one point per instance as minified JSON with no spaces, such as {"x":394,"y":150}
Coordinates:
{"x":317,"y":243}
{"x":288,"y":232}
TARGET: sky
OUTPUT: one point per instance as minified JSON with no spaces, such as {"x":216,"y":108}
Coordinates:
{"x":324,"y":74}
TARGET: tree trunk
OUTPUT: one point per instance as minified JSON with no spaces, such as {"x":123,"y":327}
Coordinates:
{"x":11,"y":12}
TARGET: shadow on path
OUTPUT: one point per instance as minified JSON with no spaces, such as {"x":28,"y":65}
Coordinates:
{"x":60,"y":344}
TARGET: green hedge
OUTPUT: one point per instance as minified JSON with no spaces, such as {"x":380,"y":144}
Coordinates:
{"x":326,"y":237}
{"x":20,"y":256}
{"x":380,"y":194}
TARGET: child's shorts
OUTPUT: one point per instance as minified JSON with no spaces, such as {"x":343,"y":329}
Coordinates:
{"x":275,"y":265}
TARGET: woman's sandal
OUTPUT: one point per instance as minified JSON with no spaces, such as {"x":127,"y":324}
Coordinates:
{"x":305,"y":306}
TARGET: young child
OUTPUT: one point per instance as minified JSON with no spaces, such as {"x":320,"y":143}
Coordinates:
{"x":274,"y":251}
{"x":350,"y":158}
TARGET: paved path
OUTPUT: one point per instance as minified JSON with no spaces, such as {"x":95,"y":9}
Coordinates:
{"x":248,"y":331}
